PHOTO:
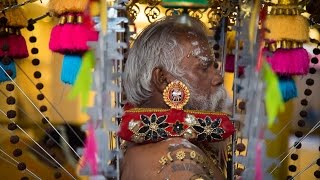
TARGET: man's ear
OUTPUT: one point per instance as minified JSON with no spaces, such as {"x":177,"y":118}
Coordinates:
{"x":160,"y":79}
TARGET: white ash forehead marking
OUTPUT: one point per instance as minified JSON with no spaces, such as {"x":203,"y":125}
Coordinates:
{"x":203,"y":58}
{"x":196,"y":51}
{"x":194,"y":43}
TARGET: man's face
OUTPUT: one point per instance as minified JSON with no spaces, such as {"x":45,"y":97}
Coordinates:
{"x":202,"y":76}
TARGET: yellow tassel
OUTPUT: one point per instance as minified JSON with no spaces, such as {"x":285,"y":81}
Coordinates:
{"x":287,"y":2}
{"x":287,"y":27}
{"x":94,"y":8}
{"x":231,"y":41}
{"x":59,"y":7}
{"x":16,"y":18}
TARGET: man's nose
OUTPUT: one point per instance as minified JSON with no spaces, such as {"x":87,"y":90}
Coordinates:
{"x":217,"y":79}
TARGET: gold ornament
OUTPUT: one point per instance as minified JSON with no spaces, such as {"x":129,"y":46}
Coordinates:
{"x":176,"y":95}
{"x":163,"y":161}
{"x":137,"y":139}
{"x":287,"y":2}
{"x":180,"y":155}
{"x":193,"y":154}
{"x":134,"y":125}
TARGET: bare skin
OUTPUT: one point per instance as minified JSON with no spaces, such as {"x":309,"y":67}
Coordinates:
{"x":141,"y":162}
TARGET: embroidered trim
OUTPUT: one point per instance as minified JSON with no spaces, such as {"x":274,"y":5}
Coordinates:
{"x":152,"y":126}
{"x":133,"y":110}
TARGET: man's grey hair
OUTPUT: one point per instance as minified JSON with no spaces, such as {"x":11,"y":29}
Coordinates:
{"x":159,"y":45}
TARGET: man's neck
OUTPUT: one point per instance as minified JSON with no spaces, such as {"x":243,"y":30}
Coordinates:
{"x":154,"y":104}
{"x":155,"y":101}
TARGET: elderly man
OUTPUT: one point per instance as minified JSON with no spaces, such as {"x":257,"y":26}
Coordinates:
{"x":170,"y":137}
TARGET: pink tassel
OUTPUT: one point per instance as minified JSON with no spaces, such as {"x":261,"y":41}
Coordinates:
{"x":17,"y":46}
{"x":262,"y":16}
{"x":258,"y":163}
{"x":90,"y":151}
{"x":230,"y":64}
{"x":3,"y":41}
{"x":93,"y":35}
{"x":81,"y":37}
{"x":289,"y":61}
{"x":54,"y":43}
{"x":69,"y":38}
{"x":72,"y":38}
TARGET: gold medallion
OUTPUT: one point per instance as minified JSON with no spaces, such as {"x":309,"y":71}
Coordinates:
{"x":176,"y":95}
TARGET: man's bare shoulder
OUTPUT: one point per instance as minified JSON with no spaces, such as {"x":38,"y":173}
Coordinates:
{"x":174,"y":158}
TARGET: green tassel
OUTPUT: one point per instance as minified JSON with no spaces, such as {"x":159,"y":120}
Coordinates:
{"x":82,"y":85}
{"x":273,"y":97}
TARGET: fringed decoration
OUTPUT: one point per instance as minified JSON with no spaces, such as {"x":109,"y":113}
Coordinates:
{"x":289,"y":61}
{"x":231,"y":41}
{"x":16,"y":18}
{"x":83,"y":83}
{"x":230,"y":59}
{"x":70,"y":68}
{"x":71,"y":37}
{"x":273,"y":97}
{"x":287,"y":27}
{"x":9,"y":66}
{"x":90,"y":150}
{"x":288,"y":88}
{"x":17,"y":45}
{"x":93,"y":35}
{"x":4,"y":46}
{"x":258,"y":162}
{"x":59,"y":7}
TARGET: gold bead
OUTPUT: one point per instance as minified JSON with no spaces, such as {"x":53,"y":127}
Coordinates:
{"x":284,"y":44}
{"x":272,"y":47}
{"x":287,"y":11}
{"x":79,"y":19}
{"x":294,"y":44}
{"x":70,"y":18}
{"x":279,"y":11}
{"x":62,"y":20}
{"x":278,"y":44}
{"x":289,"y":44}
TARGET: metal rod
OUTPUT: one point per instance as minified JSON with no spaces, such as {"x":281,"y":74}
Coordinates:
{"x":31,"y":102}
{"x":33,"y":174}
